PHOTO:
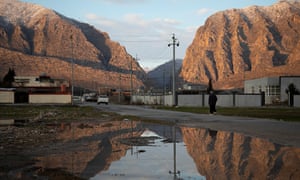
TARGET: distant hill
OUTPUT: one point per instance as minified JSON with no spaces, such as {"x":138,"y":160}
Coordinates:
{"x":162,"y":75}
{"x":35,"y":40}
{"x":239,"y":44}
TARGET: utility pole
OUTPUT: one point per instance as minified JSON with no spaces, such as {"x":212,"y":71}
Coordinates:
{"x":131,"y":83}
{"x":164,"y":86}
{"x":120,"y":88}
{"x":174,"y":43}
{"x":72,"y":69}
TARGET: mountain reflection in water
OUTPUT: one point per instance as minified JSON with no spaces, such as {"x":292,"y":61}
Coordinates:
{"x":87,"y":150}
{"x":225,"y":155}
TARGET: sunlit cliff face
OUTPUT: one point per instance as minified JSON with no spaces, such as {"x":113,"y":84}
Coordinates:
{"x":226,"y":155}
{"x":248,"y":43}
{"x":37,"y":40}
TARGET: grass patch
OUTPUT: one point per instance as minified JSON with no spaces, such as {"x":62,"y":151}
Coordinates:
{"x":50,"y":112}
{"x":68,"y":112}
{"x":278,"y":113}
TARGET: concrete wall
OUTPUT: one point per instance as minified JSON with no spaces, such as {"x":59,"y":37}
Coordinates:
{"x":50,"y":98}
{"x":296,"y":100}
{"x":7,"y":97}
{"x":148,"y":99}
{"x":196,"y":100}
{"x":224,"y":100}
{"x":190,"y":100}
{"x":248,"y":100}
{"x":168,"y":100}
{"x":202,"y":100}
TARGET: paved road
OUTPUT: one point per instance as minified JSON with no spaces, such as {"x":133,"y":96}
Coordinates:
{"x":285,"y":133}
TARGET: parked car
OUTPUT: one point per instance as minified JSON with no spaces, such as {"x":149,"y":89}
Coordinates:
{"x":89,"y":97}
{"x":102,"y":99}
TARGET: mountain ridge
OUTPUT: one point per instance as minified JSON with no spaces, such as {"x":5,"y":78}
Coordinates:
{"x":44,"y":34}
{"x":239,"y":44}
{"x":161,"y":76}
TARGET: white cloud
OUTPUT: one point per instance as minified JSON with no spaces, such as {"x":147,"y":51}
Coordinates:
{"x":167,"y":21}
{"x":191,"y":29}
{"x":135,"y":24}
{"x":203,"y":11}
{"x":135,"y":19}
{"x":100,"y":20}
{"x":124,"y":2}
{"x":148,"y":38}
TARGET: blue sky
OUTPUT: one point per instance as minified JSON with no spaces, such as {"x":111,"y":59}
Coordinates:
{"x":145,"y":27}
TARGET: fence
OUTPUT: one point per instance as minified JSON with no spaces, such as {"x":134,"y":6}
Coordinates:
{"x":296,"y":100}
{"x":224,"y":100}
{"x":196,"y":100}
{"x":152,"y":99}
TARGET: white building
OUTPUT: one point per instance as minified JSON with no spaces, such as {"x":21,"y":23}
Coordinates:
{"x":274,"y":87}
{"x":41,"y":89}
{"x":39,"y":82}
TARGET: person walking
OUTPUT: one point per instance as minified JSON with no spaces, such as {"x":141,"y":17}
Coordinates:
{"x":212,"y":101}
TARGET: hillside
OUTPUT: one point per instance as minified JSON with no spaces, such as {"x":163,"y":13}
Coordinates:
{"x":239,"y":44}
{"x":161,"y":76}
{"x":35,"y":40}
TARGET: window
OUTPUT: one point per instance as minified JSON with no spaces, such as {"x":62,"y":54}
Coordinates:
{"x":272,"y":90}
{"x":267,"y":90}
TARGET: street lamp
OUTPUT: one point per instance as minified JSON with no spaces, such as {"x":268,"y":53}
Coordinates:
{"x":174,"y":43}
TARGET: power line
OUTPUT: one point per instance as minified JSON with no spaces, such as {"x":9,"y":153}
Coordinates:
{"x":161,"y":54}
{"x":139,"y":41}
{"x":139,"y":38}
{"x":135,"y":35}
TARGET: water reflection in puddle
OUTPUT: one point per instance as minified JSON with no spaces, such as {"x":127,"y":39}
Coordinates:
{"x":152,"y":162}
{"x":115,"y":150}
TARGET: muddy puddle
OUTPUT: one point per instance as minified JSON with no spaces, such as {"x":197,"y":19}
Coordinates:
{"x":137,"y":150}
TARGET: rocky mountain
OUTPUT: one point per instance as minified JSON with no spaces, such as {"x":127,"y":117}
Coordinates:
{"x":35,"y":40}
{"x":227,"y":155}
{"x":161,"y":76}
{"x":239,"y":44}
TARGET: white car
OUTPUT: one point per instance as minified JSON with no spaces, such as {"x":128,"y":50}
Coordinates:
{"x":89,"y":97}
{"x":102,"y":99}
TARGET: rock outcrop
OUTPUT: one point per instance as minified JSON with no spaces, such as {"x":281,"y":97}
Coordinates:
{"x":240,"y":44}
{"x":35,"y":40}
